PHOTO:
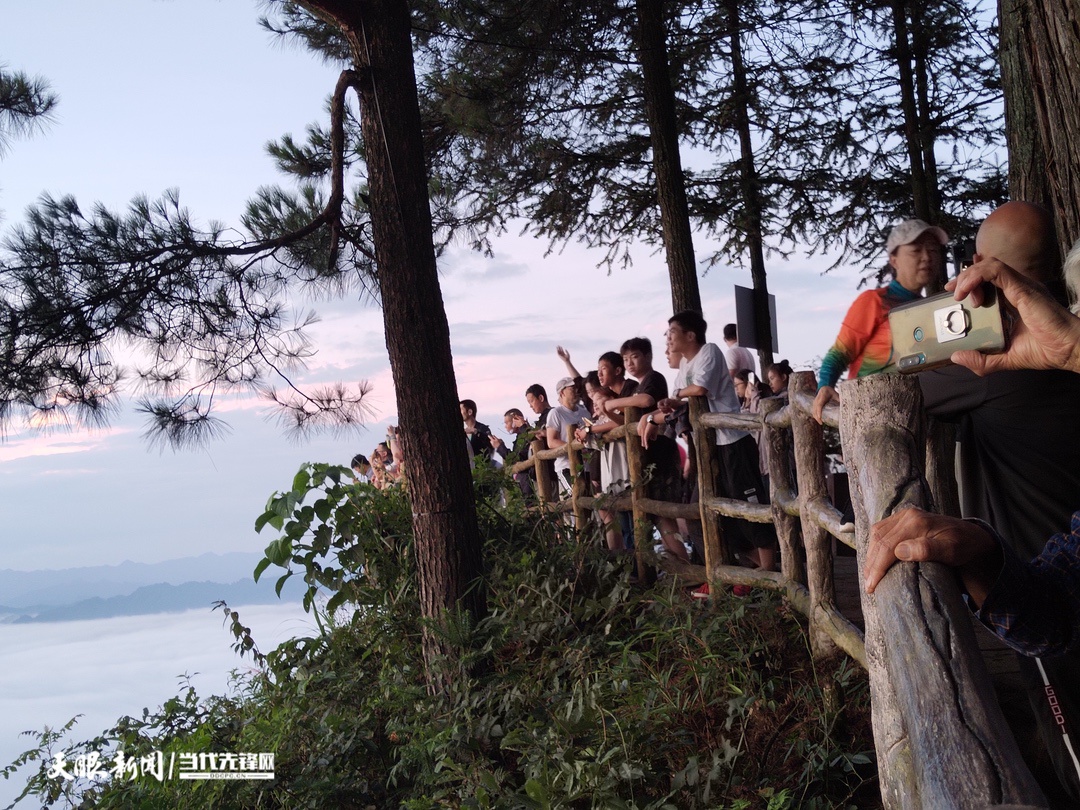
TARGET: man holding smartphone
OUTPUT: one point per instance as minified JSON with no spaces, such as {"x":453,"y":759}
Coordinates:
{"x":1018,"y":454}
{"x":1018,"y":445}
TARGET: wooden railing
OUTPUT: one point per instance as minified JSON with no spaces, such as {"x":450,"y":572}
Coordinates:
{"x":940,"y":736}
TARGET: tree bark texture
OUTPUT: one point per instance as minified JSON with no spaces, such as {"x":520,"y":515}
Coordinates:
{"x":940,"y":736}
{"x":448,"y":546}
{"x":667,"y":163}
{"x":941,"y":466}
{"x":1040,"y":71}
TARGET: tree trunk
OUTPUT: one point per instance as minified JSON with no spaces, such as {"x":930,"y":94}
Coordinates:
{"x":667,"y":164}
{"x":1040,"y":54}
{"x":448,"y":546}
{"x":912,"y":131}
{"x":751,"y":192}
{"x":920,"y":51}
{"x":927,"y":141}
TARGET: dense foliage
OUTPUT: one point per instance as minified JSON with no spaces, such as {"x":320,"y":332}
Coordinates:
{"x":578,"y":690}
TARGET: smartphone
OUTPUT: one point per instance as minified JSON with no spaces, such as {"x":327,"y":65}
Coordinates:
{"x":925,"y":333}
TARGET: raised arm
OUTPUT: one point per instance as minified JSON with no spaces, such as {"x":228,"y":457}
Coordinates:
{"x":564,"y":355}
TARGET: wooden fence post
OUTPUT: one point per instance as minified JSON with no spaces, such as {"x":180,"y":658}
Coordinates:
{"x":941,"y":466}
{"x":635,"y":457}
{"x":708,"y":468}
{"x":543,"y":477}
{"x":778,"y":440}
{"x":940,"y":736}
{"x":813,"y":495}
{"x":577,"y":482}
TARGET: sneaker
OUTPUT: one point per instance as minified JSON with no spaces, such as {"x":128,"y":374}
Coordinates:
{"x":740,"y":590}
{"x":701,"y":591}
{"x":847,"y":520}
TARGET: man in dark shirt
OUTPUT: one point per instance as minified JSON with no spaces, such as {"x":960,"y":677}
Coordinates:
{"x":517,"y":426}
{"x":1018,"y":435}
{"x":479,"y":434}
{"x":537,"y":398}
{"x":661,"y":452}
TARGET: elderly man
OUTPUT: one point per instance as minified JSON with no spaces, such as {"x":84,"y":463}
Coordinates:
{"x":1018,"y":436}
{"x":1034,"y":607}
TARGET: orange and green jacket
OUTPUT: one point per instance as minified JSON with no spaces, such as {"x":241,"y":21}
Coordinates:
{"x":864,"y":345}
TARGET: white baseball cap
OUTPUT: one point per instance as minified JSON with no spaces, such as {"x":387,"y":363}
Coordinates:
{"x":909,"y":231}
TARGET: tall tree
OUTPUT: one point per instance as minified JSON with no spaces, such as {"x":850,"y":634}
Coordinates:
{"x":924,"y":92}
{"x":211,"y":313}
{"x":1040,"y":48}
{"x":448,"y":545}
{"x":660,"y":113}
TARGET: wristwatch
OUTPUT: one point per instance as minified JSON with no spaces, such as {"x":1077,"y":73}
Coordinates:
{"x":649,"y":419}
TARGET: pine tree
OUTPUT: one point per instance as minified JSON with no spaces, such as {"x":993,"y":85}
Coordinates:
{"x":26,"y":103}
{"x":209,"y":312}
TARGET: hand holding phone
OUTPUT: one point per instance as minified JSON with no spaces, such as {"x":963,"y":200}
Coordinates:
{"x":925,"y":333}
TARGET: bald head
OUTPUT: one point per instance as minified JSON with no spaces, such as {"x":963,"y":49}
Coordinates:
{"x":1021,"y":234}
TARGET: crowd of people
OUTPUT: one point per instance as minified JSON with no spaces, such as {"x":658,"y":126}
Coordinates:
{"x":1018,"y":442}
{"x":588,"y":405}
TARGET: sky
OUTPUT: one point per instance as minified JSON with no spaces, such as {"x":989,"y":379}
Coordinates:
{"x":160,"y":94}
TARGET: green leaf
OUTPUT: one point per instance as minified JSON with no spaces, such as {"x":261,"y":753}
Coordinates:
{"x":336,"y":601}
{"x":300,"y":483}
{"x":262,"y":520}
{"x":281,"y":582}
{"x":536,"y":791}
{"x":279,"y":551}
{"x":264,"y":563}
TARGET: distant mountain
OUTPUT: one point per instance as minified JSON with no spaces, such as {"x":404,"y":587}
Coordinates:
{"x":34,"y":591}
{"x":166,"y":598}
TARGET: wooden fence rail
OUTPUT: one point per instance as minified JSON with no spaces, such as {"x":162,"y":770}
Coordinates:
{"x":939,"y":733}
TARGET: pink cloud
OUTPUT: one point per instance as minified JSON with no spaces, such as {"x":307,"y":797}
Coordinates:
{"x":77,"y":441}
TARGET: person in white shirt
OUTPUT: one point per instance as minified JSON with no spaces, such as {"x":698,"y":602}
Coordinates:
{"x":704,"y":373}
{"x":568,"y":413}
{"x":736,"y":356}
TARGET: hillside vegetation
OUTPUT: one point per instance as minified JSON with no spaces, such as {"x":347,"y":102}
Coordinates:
{"x":577,"y":690}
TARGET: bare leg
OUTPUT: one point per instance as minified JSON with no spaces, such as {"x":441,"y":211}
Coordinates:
{"x":669,"y":534}
{"x":762,"y":558}
{"x":612,"y":532}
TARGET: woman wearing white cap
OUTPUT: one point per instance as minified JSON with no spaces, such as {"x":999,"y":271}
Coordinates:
{"x":864,"y":345}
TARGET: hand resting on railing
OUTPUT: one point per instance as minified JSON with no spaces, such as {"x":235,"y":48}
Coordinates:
{"x":1034,"y":607}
